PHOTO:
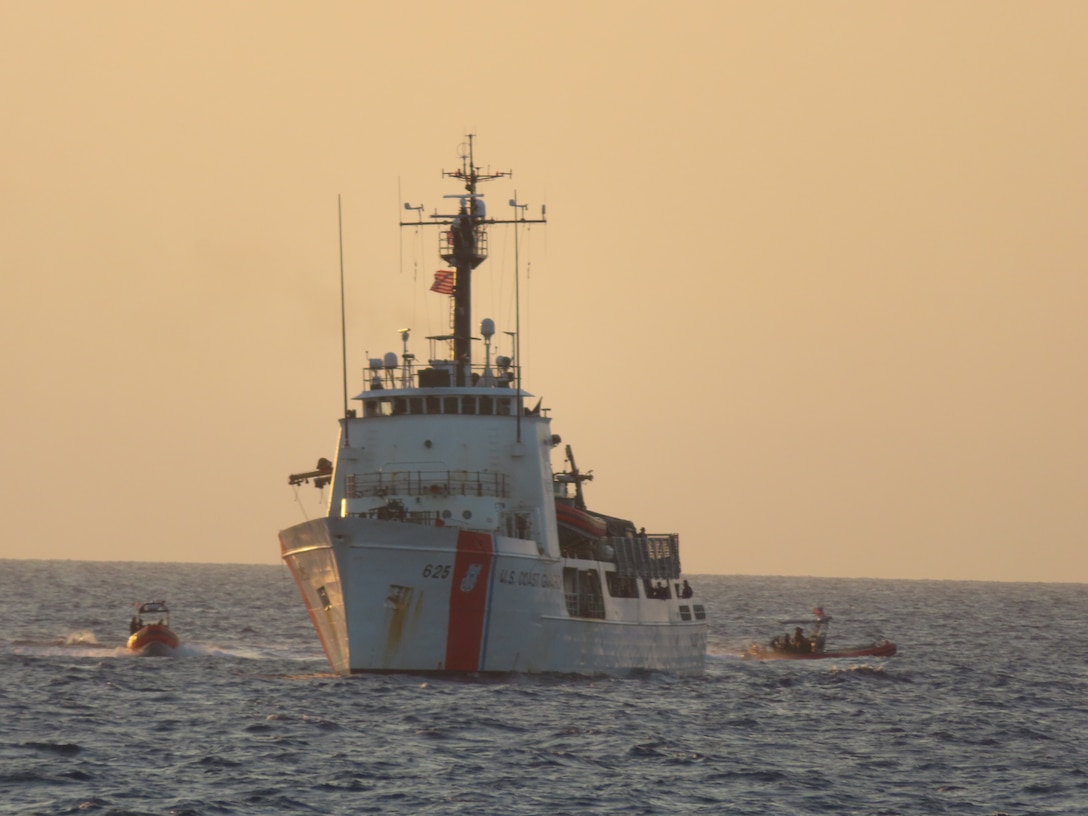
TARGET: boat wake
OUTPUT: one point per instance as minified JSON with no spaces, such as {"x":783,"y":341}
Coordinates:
{"x":725,"y":650}
{"x":82,"y":638}
{"x":84,"y":644}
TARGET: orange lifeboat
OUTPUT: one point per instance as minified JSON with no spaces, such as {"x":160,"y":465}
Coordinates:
{"x":580,"y":522}
{"x":153,"y":638}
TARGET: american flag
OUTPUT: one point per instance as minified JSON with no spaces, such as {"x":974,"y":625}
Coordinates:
{"x":444,"y":281}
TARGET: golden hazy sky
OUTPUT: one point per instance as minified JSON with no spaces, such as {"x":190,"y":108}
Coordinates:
{"x":812,"y":292}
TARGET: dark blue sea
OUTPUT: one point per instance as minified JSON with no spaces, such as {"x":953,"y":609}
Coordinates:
{"x":983,"y":711}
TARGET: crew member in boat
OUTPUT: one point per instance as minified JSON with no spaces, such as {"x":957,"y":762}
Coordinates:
{"x":134,"y":625}
{"x":686,"y":591}
{"x":800,"y":642}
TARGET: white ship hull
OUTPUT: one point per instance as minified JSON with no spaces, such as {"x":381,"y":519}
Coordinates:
{"x":392,"y":596}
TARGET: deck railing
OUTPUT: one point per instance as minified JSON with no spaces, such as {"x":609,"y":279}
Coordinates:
{"x":654,"y":556}
{"x":426,"y":483}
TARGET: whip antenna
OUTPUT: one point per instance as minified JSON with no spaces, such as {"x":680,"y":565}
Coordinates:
{"x":343,"y":316}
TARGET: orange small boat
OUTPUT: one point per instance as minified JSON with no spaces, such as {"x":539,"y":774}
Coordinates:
{"x":153,"y":638}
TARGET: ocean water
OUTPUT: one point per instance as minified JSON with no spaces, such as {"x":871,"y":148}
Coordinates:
{"x":984,"y":710}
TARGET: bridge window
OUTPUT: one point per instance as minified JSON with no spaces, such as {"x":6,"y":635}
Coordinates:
{"x":378,"y":407}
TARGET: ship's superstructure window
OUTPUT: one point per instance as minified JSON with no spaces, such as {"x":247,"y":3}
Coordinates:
{"x":378,"y":407}
{"x":621,"y":586}
{"x":466,"y":404}
{"x":582,"y":589}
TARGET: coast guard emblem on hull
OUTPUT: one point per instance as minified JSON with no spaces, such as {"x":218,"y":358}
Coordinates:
{"x":469,"y":581}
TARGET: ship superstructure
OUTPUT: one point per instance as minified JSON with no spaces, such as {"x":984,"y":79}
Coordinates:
{"x":450,"y":544}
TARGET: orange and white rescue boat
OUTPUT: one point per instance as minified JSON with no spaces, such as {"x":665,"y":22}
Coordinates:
{"x":150,"y":630}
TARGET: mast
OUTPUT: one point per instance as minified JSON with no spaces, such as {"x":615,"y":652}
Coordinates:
{"x":463,"y":245}
{"x":468,"y":242}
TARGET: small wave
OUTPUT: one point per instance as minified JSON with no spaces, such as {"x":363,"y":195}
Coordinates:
{"x":94,"y":803}
{"x":61,"y":748}
{"x":305,"y":676}
{"x":867,"y":670}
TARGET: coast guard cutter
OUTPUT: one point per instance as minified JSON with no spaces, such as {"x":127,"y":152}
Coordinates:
{"x":450,"y":544}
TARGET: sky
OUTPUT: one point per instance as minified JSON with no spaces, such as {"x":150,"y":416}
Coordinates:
{"x":811,"y":293}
